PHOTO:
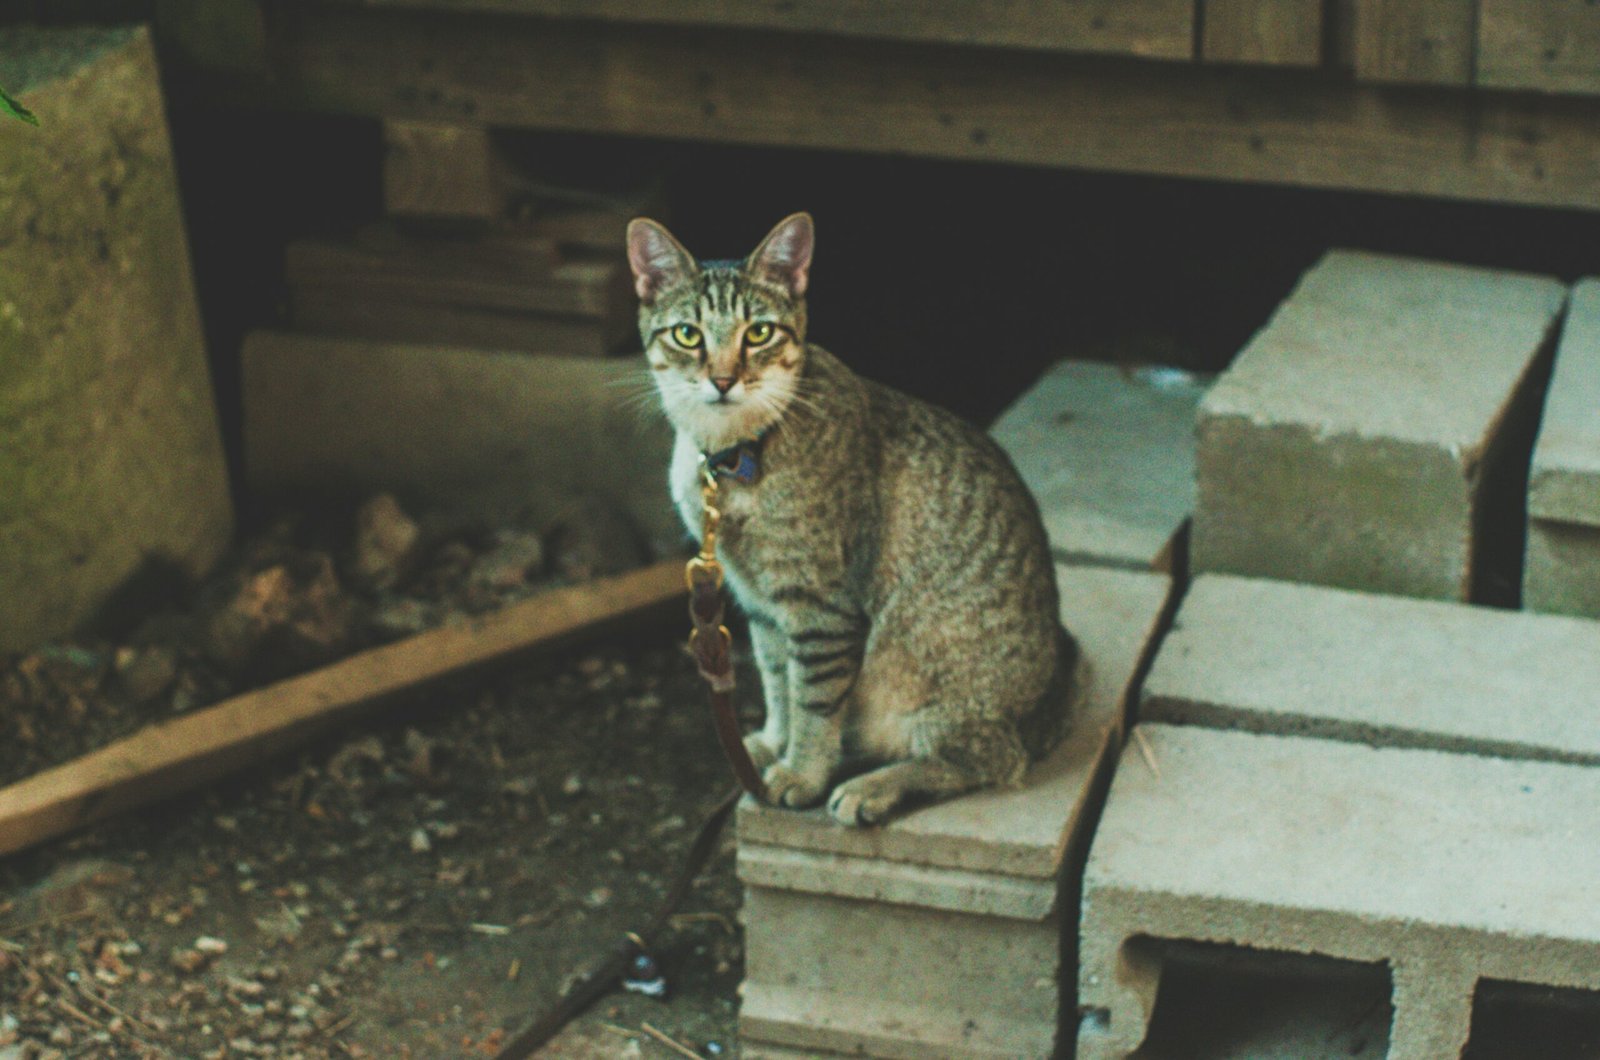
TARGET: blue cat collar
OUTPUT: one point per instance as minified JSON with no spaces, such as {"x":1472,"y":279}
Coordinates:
{"x":741,"y":462}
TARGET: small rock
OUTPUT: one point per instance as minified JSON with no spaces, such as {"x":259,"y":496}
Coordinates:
{"x":210,"y":945}
{"x":146,"y":673}
{"x":420,"y":843}
{"x":388,"y":543}
{"x":514,"y":558}
{"x":188,"y":961}
{"x":402,"y":617}
{"x":573,"y":785}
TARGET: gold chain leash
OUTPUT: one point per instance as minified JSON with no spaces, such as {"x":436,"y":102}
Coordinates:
{"x":709,"y":638}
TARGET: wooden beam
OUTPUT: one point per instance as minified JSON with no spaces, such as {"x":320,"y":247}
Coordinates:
{"x":1190,"y":121}
{"x":1415,"y":42}
{"x":1151,"y":29}
{"x":487,"y":434}
{"x":1551,"y":46}
{"x":195,"y":749}
{"x":440,"y":169}
{"x":1263,"y":32}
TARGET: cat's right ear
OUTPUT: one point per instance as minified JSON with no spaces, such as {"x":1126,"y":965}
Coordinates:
{"x":658,"y":260}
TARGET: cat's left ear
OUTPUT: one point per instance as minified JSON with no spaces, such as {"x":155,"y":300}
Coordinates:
{"x":784,"y":257}
{"x":658,"y":260}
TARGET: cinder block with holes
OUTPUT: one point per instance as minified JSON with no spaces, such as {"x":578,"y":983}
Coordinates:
{"x":1109,"y":453}
{"x":1302,"y":660}
{"x":1454,"y":872}
{"x":939,"y":934}
{"x":1562,"y":574}
{"x":1371,"y":435}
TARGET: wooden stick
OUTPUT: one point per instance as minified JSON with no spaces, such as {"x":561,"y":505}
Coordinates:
{"x":194,"y":749}
{"x":668,"y":1041}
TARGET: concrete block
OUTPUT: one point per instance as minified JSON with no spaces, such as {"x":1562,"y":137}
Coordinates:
{"x":1371,"y":435}
{"x":112,"y":468}
{"x":939,"y":934}
{"x":479,"y":432}
{"x":1268,"y":656}
{"x":1450,"y":869}
{"x":1110,"y":456}
{"x":1562,"y":573}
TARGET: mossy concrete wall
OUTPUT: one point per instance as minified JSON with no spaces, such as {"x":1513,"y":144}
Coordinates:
{"x":110,"y":458}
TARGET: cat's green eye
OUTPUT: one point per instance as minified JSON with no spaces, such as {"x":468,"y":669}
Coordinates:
{"x":758,"y":334}
{"x":688,"y":336}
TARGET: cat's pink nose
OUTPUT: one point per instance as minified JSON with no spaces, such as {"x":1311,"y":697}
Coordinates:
{"x":723,"y":383}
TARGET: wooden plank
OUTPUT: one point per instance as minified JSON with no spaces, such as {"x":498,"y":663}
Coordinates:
{"x":195,"y":749}
{"x":357,"y":317}
{"x":487,"y":434}
{"x":598,"y":289}
{"x":1264,"y":32}
{"x":1551,"y":46}
{"x":1192,"y":121}
{"x":440,"y":169}
{"x":1415,"y":42}
{"x":1151,"y":29}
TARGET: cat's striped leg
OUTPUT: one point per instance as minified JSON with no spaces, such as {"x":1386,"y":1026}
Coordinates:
{"x":772,"y":660}
{"x":951,"y":759}
{"x":824,"y":662}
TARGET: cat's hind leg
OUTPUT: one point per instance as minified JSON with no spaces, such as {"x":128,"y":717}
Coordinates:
{"x":949,"y":758}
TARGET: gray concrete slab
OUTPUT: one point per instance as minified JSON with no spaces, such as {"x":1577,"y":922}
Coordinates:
{"x":1267,"y":656}
{"x":866,"y":978}
{"x":1451,"y":868}
{"x":1366,"y":436}
{"x":1109,"y":453}
{"x":870,"y":941}
{"x":1562,"y":572}
{"x":1564,"y":484}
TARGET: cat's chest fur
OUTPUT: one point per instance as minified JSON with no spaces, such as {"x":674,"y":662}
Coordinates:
{"x":767,"y":527}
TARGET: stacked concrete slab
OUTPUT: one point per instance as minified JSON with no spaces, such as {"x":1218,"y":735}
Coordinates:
{"x":1563,"y":560}
{"x":1403,"y":783}
{"x":1300,"y":660}
{"x":1371,"y":433}
{"x":940,"y":933}
{"x":1451,"y":869}
{"x":1109,"y":453}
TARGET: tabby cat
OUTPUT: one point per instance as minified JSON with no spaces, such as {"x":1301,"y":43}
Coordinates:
{"x":893,"y":567}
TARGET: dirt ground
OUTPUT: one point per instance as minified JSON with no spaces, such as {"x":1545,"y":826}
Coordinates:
{"x":415,"y":888}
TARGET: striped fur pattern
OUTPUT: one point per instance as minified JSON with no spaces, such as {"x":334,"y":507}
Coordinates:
{"x":894,"y":569}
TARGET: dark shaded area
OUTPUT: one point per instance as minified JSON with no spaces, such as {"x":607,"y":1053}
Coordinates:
{"x":957,"y":282}
{"x":1521,"y":1021}
{"x":1228,"y":1001}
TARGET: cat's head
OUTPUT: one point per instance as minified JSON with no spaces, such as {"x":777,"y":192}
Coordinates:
{"x":726,"y":340}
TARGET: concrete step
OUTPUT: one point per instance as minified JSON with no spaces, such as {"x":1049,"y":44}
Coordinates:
{"x":1453,"y":870}
{"x":1109,"y":454}
{"x":1563,"y":565}
{"x":1371,"y":435}
{"x":1276,"y":657}
{"x":868,"y":941}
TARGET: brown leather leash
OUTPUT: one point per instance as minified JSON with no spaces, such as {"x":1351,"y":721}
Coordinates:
{"x":712,"y":646}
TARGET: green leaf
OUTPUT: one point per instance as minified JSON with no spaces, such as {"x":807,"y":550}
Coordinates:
{"x":16,"y":110}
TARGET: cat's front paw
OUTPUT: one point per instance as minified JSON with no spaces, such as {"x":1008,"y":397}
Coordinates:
{"x":792,"y":788}
{"x":762,"y":754}
{"x":864,"y":800}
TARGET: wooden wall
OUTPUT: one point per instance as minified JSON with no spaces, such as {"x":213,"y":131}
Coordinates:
{"x":1490,"y":100}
